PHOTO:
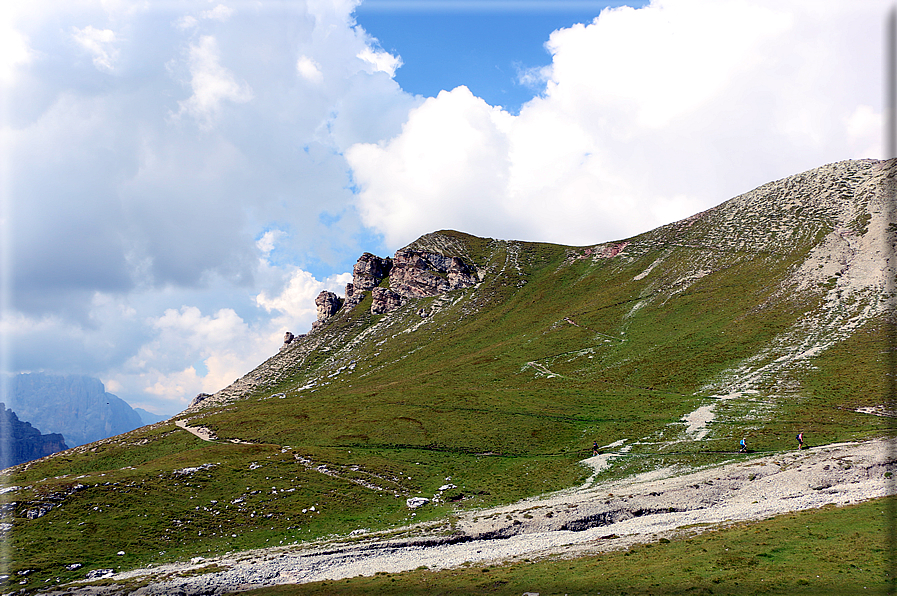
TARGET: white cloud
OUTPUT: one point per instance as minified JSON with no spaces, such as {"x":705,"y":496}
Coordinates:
{"x":186,"y":22}
{"x":99,"y":42}
{"x":309,"y":70}
{"x":296,"y":302}
{"x":14,"y":48}
{"x":219,"y":13}
{"x":444,"y":170}
{"x":266,"y":243}
{"x":647,"y":115}
{"x":211,"y":83}
{"x":380,"y":61}
{"x":864,"y":129}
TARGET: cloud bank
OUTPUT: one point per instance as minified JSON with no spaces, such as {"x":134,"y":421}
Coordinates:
{"x":647,"y":115}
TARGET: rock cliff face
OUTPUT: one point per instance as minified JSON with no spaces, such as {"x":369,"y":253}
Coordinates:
{"x":22,"y":442}
{"x":384,"y":300}
{"x":369,"y":271}
{"x":417,"y":274}
{"x":328,"y":304}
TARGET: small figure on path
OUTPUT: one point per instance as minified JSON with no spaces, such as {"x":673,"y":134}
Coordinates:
{"x":743,"y":446}
{"x":800,"y":440}
{"x":594,"y":447}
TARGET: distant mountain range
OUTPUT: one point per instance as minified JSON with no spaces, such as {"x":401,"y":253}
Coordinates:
{"x":76,"y":406}
{"x":22,"y":442}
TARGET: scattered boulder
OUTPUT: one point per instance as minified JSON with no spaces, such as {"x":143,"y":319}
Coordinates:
{"x":289,"y":339}
{"x":385,"y":300}
{"x":415,"y":502}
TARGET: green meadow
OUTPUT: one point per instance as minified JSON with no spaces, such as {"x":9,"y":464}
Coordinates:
{"x":501,"y":388}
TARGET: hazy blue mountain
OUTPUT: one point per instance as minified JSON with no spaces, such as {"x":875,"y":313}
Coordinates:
{"x":148,"y":417}
{"x":76,"y":406}
{"x":22,"y":442}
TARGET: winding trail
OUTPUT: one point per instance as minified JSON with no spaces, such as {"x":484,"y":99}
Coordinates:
{"x":612,"y":515}
{"x":200,"y":431}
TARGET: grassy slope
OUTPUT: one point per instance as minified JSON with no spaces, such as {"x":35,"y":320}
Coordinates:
{"x":466,"y":396}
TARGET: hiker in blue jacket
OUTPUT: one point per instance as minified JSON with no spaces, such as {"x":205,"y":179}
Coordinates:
{"x":743,"y":446}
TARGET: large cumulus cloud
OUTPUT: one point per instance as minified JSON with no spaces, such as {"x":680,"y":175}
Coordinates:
{"x":647,"y":115}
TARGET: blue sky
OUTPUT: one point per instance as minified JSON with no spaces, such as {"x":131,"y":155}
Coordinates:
{"x":181,"y":179}
{"x":483,"y":45}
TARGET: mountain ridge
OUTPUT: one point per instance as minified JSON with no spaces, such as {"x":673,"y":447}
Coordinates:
{"x":765,"y":316}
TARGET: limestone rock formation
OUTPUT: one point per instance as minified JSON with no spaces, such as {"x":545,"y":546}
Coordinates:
{"x":385,"y":300}
{"x":328,"y":305}
{"x":201,"y":397}
{"x":352,"y":297}
{"x":369,"y":271}
{"x":417,"y":274}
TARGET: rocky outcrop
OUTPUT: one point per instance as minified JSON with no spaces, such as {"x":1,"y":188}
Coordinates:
{"x":289,"y":339}
{"x":201,"y":397}
{"x":352,"y":297}
{"x":385,"y":300}
{"x":328,"y":304}
{"x":412,"y":274}
{"x":417,"y":274}
{"x":369,"y":271}
{"x":23,"y":442}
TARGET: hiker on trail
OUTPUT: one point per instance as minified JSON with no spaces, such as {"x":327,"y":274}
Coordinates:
{"x":743,"y":446}
{"x":800,"y":440}
{"x":594,"y":447}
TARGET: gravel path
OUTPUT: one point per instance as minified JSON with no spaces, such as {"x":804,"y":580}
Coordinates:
{"x":606,"y":516}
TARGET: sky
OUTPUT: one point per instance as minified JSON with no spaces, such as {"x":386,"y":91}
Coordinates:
{"x":179,"y":180}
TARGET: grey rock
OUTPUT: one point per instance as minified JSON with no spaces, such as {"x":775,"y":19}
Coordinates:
{"x":385,"y":300}
{"x":418,"y":274}
{"x":201,"y":397}
{"x":353,"y":296}
{"x":369,"y":271}
{"x":328,"y":305}
{"x":415,"y":502}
